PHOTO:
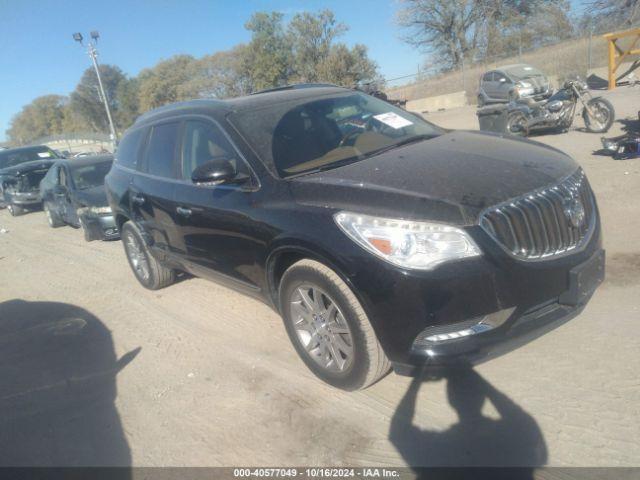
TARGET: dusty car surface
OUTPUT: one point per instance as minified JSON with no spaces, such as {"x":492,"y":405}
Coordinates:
{"x":73,"y":194}
{"x":21,"y":170}
{"x":381,"y":239}
{"x":511,"y":82}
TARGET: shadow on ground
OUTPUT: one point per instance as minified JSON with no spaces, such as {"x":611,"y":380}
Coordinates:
{"x":514,"y":440}
{"x":58,"y":370}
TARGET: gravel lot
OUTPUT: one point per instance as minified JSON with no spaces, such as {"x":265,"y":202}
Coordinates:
{"x":199,"y":375}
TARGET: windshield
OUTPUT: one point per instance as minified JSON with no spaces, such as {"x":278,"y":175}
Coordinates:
{"x":88,"y":176}
{"x":520,"y":72}
{"x":305,"y":136}
{"x":13,"y":157}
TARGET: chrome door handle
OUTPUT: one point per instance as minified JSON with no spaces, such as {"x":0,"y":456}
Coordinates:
{"x":185,"y":212}
{"x":137,"y":199}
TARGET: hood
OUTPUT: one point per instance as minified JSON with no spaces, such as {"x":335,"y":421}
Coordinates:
{"x":450,"y":178}
{"x":27,"y":167}
{"x":92,"y":197}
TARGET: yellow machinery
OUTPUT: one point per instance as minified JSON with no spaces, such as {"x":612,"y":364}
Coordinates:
{"x":617,"y":54}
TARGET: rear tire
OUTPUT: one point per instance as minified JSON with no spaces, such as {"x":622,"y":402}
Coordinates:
{"x":606,"y":112}
{"x":52,"y":217}
{"x":348,"y":354}
{"x":150,"y":272}
{"x":15,"y":210}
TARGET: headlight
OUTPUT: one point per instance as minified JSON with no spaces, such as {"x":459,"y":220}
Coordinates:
{"x":100,"y":210}
{"x":525,"y":88}
{"x":94,"y":210}
{"x":408,"y":244}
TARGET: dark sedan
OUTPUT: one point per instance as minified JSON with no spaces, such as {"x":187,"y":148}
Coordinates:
{"x":73,"y":194}
{"x":21,"y":170}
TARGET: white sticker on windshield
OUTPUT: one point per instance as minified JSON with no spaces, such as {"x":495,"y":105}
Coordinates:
{"x":393,"y":120}
{"x":44,"y":154}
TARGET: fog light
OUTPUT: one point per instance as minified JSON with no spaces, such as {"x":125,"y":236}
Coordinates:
{"x":467,"y":328}
{"x":478,"y":328}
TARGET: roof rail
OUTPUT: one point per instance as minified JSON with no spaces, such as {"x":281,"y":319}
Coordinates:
{"x":295,"y":86}
{"x":176,"y":106}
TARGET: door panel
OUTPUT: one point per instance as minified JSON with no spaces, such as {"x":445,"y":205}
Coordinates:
{"x":220,"y":237}
{"x":219,"y":233}
{"x":62,"y":194}
{"x":503,"y":88}
{"x":152,"y":192}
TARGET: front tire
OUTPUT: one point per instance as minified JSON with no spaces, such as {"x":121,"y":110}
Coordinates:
{"x":52,"y":217}
{"x":15,"y":210}
{"x":150,"y":273}
{"x":605,"y":115}
{"x":329,"y":328}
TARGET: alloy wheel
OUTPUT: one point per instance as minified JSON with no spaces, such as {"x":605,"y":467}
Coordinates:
{"x":48,"y":213}
{"x":600,"y":117}
{"x":137,"y":256}
{"x":321,"y":328}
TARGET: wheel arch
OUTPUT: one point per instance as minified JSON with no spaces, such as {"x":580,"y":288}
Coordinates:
{"x":290,"y":252}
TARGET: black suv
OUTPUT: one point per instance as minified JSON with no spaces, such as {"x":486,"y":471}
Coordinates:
{"x":381,"y":239}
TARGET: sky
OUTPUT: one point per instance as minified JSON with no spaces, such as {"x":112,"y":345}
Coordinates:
{"x":38,"y":55}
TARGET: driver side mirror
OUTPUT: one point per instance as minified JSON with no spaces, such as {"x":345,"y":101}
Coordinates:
{"x":217,"y":172}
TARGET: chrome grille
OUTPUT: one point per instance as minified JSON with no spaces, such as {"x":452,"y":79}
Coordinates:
{"x":543,"y":223}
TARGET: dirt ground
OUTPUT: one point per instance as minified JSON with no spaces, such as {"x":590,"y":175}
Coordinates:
{"x":98,"y":370}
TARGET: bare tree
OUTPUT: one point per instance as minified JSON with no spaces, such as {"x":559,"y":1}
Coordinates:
{"x":450,"y":29}
{"x":616,"y":12}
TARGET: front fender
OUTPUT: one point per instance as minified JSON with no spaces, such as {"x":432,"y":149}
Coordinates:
{"x":305,"y":248}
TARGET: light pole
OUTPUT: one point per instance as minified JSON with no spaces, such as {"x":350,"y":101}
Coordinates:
{"x":93,"y":54}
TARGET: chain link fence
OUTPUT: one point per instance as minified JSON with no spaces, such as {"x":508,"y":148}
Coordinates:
{"x":578,"y":56}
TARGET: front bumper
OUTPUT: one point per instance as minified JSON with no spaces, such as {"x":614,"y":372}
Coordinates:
{"x":99,"y":227}
{"x":537,"y":296}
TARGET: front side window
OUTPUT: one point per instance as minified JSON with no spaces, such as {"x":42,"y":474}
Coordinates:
{"x":204,"y":142}
{"x":161,"y":149}
{"x":304,"y":136}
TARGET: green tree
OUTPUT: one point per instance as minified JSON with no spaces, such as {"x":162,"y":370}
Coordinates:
{"x":311,"y":37}
{"x":42,"y":117}
{"x":86,"y":100}
{"x":127,"y":103}
{"x":161,"y":84}
{"x":221,"y":75}
{"x":348,"y":67}
{"x":269,"y":52}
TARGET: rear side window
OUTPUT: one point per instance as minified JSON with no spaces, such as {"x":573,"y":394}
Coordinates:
{"x":488,"y":77}
{"x":161,"y":149}
{"x":127,"y":153}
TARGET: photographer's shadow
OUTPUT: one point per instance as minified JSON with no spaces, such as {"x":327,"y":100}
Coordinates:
{"x":514,"y":440}
{"x":57,"y":395}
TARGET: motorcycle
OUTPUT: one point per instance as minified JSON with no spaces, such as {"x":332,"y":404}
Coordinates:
{"x":558,"y":111}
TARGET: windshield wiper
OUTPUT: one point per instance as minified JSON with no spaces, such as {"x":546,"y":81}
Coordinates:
{"x":346,"y":161}
{"x":401,"y":143}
